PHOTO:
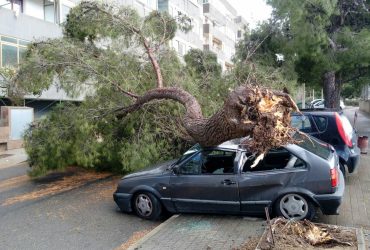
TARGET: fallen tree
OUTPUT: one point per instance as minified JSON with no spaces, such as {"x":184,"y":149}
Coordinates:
{"x":259,"y":113}
{"x":95,"y":32}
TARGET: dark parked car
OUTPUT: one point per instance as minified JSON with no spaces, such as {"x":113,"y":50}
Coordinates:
{"x":334,"y":128}
{"x":292,"y":181}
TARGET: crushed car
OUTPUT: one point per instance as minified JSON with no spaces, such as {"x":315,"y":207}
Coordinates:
{"x":292,"y":181}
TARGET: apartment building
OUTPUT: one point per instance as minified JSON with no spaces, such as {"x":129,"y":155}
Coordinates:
{"x":183,"y":42}
{"x":216,"y":27}
{"x":220,"y":30}
{"x":23,"y":21}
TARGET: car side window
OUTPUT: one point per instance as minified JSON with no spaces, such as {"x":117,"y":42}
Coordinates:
{"x":275,"y":159}
{"x":302,"y":123}
{"x":210,"y":162}
{"x":218,"y":162}
{"x":193,"y":166}
{"x":321,"y":122}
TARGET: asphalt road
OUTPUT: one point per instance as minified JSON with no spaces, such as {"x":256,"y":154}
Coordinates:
{"x":47,"y":215}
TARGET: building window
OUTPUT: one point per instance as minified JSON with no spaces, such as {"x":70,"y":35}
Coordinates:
{"x":217,"y":44}
{"x":9,"y":55}
{"x":12,"y":51}
{"x":15,"y":5}
{"x":50,"y":11}
{"x":64,"y":12}
{"x":239,"y":34}
{"x":180,"y":48}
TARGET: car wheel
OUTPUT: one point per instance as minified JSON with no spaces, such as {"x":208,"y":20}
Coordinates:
{"x":147,"y":206}
{"x":343,"y":169}
{"x":295,"y":206}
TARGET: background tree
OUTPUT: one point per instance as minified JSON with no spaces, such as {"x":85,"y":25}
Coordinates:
{"x":328,"y":42}
{"x":126,"y":60}
{"x":260,"y":53}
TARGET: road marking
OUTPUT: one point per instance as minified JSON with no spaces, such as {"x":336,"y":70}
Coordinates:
{"x":65,"y":184}
{"x":12,"y":182}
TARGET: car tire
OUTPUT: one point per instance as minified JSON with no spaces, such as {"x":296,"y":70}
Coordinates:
{"x":294,"y":206}
{"x":343,"y":169}
{"x":147,"y":206}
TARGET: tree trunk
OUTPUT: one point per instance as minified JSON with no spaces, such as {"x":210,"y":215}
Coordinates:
{"x":248,"y":111}
{"x":332,"y":85}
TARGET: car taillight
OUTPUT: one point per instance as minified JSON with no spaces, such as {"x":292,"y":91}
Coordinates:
{"x":334,"y":177}
{"x":345,"y":137}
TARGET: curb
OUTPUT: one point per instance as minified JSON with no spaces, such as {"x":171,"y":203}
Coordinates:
{"x":137,"y":244}
{"x":361,"y":245}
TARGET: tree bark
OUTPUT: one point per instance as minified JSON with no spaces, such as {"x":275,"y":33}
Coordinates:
{"x":332,"y":85}
{"x":248,"y":111}
{"x":155,"y":64}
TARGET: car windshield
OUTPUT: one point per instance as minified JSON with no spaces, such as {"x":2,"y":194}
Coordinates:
{"x":314,"y":146}
{"x":190,"y":152}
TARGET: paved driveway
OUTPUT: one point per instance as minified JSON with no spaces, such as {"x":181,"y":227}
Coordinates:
{"x":50,"y":215}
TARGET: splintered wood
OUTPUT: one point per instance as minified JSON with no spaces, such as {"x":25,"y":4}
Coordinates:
{"x":269,"y":111}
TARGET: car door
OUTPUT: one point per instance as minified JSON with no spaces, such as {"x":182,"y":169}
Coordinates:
{"x":260,"y":185}
{"x":206,"y":183}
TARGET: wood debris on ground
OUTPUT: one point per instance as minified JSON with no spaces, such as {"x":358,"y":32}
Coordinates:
{"x":292,"y":234}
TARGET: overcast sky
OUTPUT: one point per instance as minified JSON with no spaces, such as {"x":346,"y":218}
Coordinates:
{"x":252,"y":10}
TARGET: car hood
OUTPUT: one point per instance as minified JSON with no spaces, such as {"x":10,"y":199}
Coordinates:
{"x":157,"y":169}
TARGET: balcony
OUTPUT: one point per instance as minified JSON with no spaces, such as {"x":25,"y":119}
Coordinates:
{"x":26,"y":27}
{"x":212,"y":13}
{"x":210,"y":29}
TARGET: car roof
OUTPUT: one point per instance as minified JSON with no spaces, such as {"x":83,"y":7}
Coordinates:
{"x":321,"y":111}
{"x":232,"y":144}
{"x":236,"y":144}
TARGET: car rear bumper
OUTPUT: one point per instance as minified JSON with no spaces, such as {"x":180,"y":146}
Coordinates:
{"x":353,"y":159}
{"x":123,"y":201}
{"x":329,"y":203}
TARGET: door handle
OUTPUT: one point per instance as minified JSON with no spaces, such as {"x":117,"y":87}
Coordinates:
{"x":228,"y":182}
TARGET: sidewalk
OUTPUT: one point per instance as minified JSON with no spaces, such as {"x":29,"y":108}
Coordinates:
{"x":12,"y":157}
{"x":201,"y":232}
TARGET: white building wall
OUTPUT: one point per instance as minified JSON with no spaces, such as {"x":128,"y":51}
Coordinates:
{"x":34,"y":8}
{"x":183,"y":42}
